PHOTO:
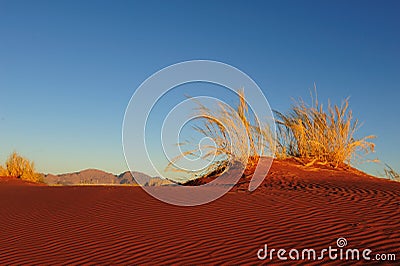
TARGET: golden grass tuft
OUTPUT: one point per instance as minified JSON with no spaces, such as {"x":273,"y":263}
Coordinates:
{"x":3,"y":171}
{"x":237,"y":134}
{"x":311,"y":135}
{"x":17,"y":166}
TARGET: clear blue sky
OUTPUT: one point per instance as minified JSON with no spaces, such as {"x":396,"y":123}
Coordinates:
{"x":69,"y":68}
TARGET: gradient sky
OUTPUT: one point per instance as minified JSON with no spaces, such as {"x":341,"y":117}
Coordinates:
{"x":69,"y":68}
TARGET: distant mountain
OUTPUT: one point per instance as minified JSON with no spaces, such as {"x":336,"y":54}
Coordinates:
{"x":98,"y":177}
{"x":143,"y":179}
{"x":126,"y":178}
{"x":89,"y":176}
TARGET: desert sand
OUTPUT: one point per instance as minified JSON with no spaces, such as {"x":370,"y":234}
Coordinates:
{"x":295,"y":207}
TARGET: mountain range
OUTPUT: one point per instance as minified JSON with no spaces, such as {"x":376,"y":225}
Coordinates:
{"x":98,"y":177}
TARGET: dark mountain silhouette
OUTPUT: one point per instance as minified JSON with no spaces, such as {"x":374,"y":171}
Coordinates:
{"x":147,"y":180}
{"x":127,"y":178}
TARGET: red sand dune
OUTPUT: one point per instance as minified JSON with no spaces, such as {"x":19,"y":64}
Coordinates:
{"x":294,"y":208}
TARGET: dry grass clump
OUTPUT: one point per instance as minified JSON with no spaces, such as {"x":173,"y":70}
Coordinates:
{"x":2,"y":171}
{"x":17,"y":166}
{"x":312,"y":135}
{"x":309,"y":134}
{"x":237,"y":134}
{"x":391,"y":174}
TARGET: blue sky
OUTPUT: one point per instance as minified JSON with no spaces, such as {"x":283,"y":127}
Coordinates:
{"x":69,"y":68}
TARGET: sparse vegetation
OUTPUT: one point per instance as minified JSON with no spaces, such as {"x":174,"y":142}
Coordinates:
{"x":309,"y":134}
{"x":312,"y":135}
{"x":2,"y":171}
{"x":391,"y":173}
{"x":17,"y":166}
{"x":237,"y":136}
